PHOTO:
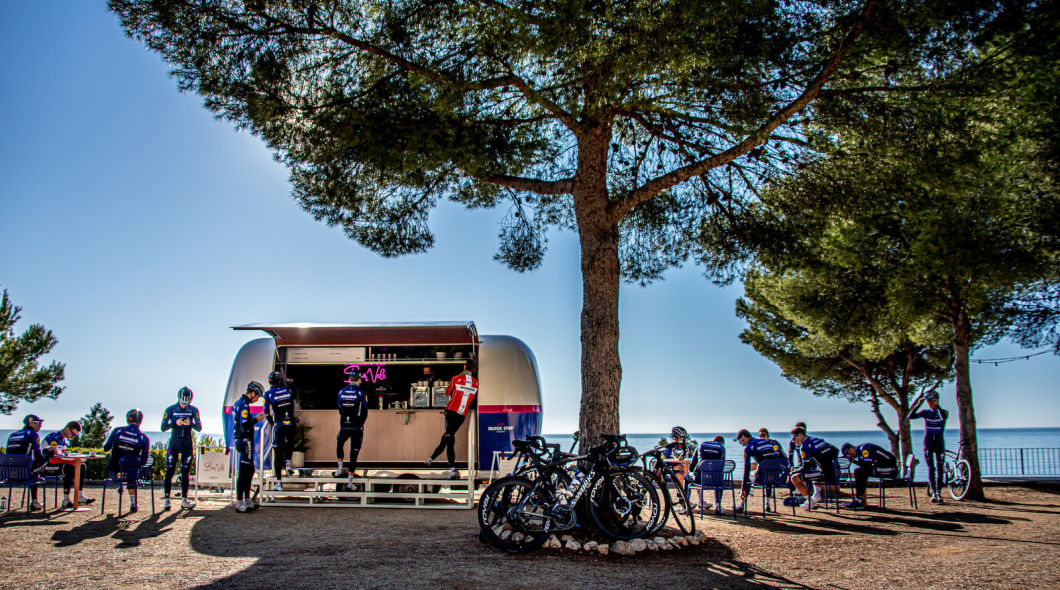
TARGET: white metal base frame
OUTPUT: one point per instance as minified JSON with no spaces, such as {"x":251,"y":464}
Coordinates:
{"x":433,"y":493}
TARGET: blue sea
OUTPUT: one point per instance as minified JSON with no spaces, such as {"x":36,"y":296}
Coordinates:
{"x":989,"y":438}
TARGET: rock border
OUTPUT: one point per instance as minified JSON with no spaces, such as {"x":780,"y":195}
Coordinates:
{"x":624,"y":548}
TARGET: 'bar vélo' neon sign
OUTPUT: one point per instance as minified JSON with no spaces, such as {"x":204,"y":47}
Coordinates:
{"x":373,"y":373}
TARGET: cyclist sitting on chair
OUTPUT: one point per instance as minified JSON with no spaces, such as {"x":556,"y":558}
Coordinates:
{"x":869,"y":460}
{"x":934,"y":443}
{"x":758,"y":449}
{"x":815,"y":453}
{"x":711,"y":450}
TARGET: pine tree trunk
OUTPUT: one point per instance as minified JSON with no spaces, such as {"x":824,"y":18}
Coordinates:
{"x":598,"y":235}
{"x":965,"y":408}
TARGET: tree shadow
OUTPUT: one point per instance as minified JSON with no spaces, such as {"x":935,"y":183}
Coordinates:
{"x":384,"y":548}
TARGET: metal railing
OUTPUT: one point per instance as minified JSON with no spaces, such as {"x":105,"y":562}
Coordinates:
{"x":1010,"y":462}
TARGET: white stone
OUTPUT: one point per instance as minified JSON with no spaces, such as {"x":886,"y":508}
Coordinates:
{"x":552,"y":543}
{"x":701,"y":535}
{"x":573,"y":545}
{"x":623,"y":548}
{"x":659,"y":540}
{"x":566,"y":538}
{"x":505,"y":535}
{"x":603,"y":549}
{"x":517,"y":538}
{"x":652,"y":545}
{"x":590,"y":545}
{"x":694,"y":540}
{"x":681,"y":541}
{"x":497,"y":530}
{"x":638,"y":545}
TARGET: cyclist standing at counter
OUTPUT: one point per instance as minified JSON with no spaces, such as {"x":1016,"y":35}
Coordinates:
{"x":353,"y":411}
{"x":279,"y":409}
{"x":934,"y":442}
{"x":181,"y":418}
{"x":461,"y":393}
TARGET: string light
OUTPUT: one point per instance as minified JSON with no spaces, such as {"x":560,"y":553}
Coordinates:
{"x":1010,"y":359}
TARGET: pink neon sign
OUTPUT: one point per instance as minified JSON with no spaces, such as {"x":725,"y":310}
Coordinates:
{"x":372,"y":373}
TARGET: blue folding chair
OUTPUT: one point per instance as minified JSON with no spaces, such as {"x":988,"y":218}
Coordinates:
{"x":772,"y":474}
{"x":132,"y":473}
{"x":713,"y":474}
{"x":17,"y":470}
{"x":891,"y":476}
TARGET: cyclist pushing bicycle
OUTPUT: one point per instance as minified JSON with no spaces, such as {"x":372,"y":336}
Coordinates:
{"x":934,"y":443}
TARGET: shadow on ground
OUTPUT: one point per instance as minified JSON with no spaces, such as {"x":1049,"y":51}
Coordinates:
{"x":386,"y":548}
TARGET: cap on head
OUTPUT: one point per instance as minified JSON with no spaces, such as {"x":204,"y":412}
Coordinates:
{"x":354,"y":373}
{"x":742,"y":434}
{"x":184,"y":395}
{"x":933,"y":395}
{"x":31,"y":418}
{"x":846,"y":447}
{"x":679,"y":432}
{"x":276,"y":379}
{"x":255,"y":388}
{"x":134,"y":416}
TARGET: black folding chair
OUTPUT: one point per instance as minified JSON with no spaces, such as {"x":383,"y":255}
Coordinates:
{"x":17,"y":470}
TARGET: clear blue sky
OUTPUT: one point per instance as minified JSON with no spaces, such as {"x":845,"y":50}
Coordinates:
{"x":139,"y":229}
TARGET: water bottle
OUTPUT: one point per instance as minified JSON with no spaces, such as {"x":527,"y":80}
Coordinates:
{"x":3,"y":503}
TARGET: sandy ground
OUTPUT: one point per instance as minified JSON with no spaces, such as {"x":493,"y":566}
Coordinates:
{"x":1011,"y":541}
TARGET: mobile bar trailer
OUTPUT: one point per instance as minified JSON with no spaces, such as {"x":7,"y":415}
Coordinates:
{"x":405,"y":369}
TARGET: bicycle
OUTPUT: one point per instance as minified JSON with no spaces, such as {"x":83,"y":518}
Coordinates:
{"x":517,"y":514}
{"x":957,"y":472}
{"x":677,"y":505}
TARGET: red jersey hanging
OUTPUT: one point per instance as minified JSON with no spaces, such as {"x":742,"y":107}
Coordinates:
{"x":461,"y":392}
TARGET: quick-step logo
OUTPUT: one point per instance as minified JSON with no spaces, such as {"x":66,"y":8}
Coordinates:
{"x":500,"y":427}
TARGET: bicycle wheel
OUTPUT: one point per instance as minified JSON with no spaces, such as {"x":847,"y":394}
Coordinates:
{"x":679,"y":506}
{"x":962,"y":476}
{"x":511,"y":516}
{"x":660,"y":489}
{"x":624,"y":505}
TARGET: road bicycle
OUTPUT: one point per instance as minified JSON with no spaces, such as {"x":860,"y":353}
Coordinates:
{"x":676,"y":500}
{"x":957,"y":472}
{"x":517,"y":514}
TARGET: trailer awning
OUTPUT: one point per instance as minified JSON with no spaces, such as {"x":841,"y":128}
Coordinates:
{"x":385,"y":334}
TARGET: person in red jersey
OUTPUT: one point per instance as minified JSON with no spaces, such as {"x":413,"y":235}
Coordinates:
{"x":461,"y":393}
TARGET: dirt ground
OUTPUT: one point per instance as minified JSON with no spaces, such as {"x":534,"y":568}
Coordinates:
{"x":1011,"y":541}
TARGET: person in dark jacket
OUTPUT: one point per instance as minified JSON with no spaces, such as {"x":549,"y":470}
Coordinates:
{"x":27,"y":442}
{"x":243,"y":421}
{"x":869,"y":460}
{"x":127,"y":441}
{"x":181,"y":418}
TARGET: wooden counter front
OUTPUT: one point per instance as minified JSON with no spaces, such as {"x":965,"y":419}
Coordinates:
{"x":386,"y":436}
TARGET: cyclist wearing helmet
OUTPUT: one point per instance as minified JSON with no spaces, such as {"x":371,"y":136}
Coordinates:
{"x":243,"y":422}
{"x":680,"y":448}
{"x":279,"y":410}
{"x":934,"y":442}
{"x":127,"y":441}
{"x":461,"y":393}
{"x":758,"y":449}
{"x":181,"y":418}
{"x":27,"y":442}
{"x":54,"y":444}
{"x":353,"y":411}
{"x":869,"y":460}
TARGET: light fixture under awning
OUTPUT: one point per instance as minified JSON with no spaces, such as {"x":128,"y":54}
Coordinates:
{"x":383,"y":334}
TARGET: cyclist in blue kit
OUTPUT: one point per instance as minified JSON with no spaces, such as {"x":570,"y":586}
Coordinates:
{"x":934,"y":442}
{"x":711,"y":450}
{"x":243,"y":422}
{"x":353,"y":410}
{"x":127,"y":441}
{"x":869,"y":460}
{"x":822,"y":454}
{"x":279,"y":410}
{"x":27,"y":442}
{"x":758,"y":449}
{"x":181,"y":418}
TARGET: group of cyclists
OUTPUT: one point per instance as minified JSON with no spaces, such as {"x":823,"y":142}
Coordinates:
{"x":812,"y":459}
{"x":125,"y":441}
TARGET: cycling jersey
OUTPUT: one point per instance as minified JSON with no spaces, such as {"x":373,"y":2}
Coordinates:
{"x":678,"y":450}
{"x":870,"y":455}
{"x":126,"y":441}
{"x":54,"y":444}
{"x":181,"y":433}
{"x":25,"y":442}
{"x":759,"y":449}
{"x":279,"y":405}
{"x":242,"y":419}
{"x":461,"y":393}
{"x":934,"y":427}
{"x":817,"y":448}
{"x":707,"y":451}
{"x":353,"y":407}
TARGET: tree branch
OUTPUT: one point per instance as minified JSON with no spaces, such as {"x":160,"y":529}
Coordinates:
{"x":653,"y":187}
